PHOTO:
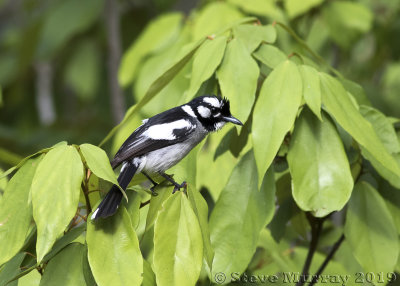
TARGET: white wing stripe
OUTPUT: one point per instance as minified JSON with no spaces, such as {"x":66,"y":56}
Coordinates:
{"x":165,"y":131}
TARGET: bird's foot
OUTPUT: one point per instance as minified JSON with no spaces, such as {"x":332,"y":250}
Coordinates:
{"x":178,"y":187}
{"x":153,"y":191}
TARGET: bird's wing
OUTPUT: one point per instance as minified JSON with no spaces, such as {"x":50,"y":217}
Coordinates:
{"x":149,"y":137}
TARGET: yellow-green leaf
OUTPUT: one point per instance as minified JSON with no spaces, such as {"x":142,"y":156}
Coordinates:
{"x":178,"y":245}
{"x":55,"y":195}
{"x":253,"y":35}
{"x":270,"y":55}
{"x":311,"y":89}
{"x":275,"y":113}
{"x":321,"y":176}
{"x":113,"y":251}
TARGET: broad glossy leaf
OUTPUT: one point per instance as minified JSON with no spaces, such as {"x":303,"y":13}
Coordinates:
{"x":55,"y":195}
{"x":10,"y":269}
{"x":178,"y":245}
{"x":156,"y":203}
{"x":370,"y":230}
{"x":213,"y":17}
{"x":16,"y":210}
{"x":200,"y":208}
{"x":99,"y":163}
{"x":157,"y":35}
{"x":240,"y":213}
{"x":321,"y":176}
{"x":206,"y":60}
{"x":113,"y":245}
{"x":149,"y":279}
{"x":295,"y":8}
{"x":387,"y":134}
{"x":237,"y":76}
{"x":31,"y":279}
{"x":275,"y":113}
{"x":253,"y":35}
{"x":66,"y":267}
{"x":64,"y":20}
{"x":270,"y":55}
{"x":340,"y":106}
{"x":311,"y":89}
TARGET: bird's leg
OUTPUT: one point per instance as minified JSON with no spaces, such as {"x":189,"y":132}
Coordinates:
{"x":152,"y":189}
{"x":177,"y":186}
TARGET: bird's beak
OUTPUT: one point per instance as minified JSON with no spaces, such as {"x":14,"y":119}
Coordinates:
{"x":232,"y":119}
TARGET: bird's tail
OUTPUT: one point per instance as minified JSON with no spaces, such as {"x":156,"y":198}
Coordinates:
{"x":110,"y":203}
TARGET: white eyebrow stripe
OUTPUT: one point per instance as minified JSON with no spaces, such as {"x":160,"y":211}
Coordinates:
{"x":165,"y":131}
{"x":212,"y":101}
{"x":188,"y":110}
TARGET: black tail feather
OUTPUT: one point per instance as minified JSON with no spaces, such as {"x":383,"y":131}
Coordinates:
{"x":111,"y":201}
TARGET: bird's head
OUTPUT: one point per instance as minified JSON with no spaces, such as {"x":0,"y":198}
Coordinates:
{"x":213,"y":111}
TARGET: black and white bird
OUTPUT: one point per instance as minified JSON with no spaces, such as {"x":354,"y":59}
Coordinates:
{"x":162,"y":141}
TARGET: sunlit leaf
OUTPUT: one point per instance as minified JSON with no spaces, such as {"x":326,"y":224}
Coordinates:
{"x":340,"y":106}
{"x":178,"y":259}
{"x":369,"y":226}
{"x":55,"y":195}
{"x":253,"y":35}
{"x":259,"y":7}
{"x":320,"y":171}
{"x":237,"y":76}
{"x":270,"y":55}
{"x":113,"y":245}
{"x":295,"y":8}
{"x":240,"y":213}
{"x":311,"y":89}
{"x":275,"y":112}
{"x":206,"y":60}
{"x":66,"y":267}
{"x":16,"y":211}
{"x":31,"y":279}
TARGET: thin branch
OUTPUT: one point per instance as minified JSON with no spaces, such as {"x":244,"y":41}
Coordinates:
{"x":144,"y":204}
{"x":327,"y":259}
{"x":316,"y":227}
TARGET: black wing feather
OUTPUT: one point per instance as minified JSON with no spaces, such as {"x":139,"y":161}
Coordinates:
{"x":136,"y":145}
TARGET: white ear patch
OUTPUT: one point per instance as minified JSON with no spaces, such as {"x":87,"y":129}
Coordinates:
{"x":213,"y":101}
{"x":204,"y":111}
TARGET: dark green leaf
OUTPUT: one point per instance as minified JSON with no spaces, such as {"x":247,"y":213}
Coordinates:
{"x":113,"y":246}
{"x":370,"y":230}
{"x":322,"y":180}
{"x":275,"y":113}
{"x":240,"y":213}
{"x":9,"y":270}
{"x":16,"y":210}
{"x":55,"y":191}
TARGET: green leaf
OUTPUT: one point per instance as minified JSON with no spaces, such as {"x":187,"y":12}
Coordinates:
{"x":321,"y":176}
{"x":206,"y":60}
{"x":237,"y":76}
{"x":346,"y":21}
{"x":259,"y":7}
{"x":9,"y":270}
{"x":156,"y":36}
{"x":311,"y":89}
{"x":275,"y":113}
{"x":16,"y":211}
{"x":99,"y":164}
{"x":253,"y":35}
{"x":239,"y":215}
{"x":55,"y":190}
{"x":295,"y":8}
{"x":270,"y":55}
{"x":200,"y":208}
{"x":156,"y":203}
{"x":340,"y":106}
{"x":357,"y":91}
{"x":66,"y":267}
{"x":370,"y":230}
{"x":213,"y":17}
{"x":113,"y":246}
{"x":87,"y":272}
{"x":178,"y":245}
{"x":64,"y":20}
{"x":149,"y":279}
{"x":183,"y":58}
{"x":387,"y":134}
{"x":31,"y":279}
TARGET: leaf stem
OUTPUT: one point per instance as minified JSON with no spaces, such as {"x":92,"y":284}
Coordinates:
{"x":316,"y":227}
{"x":327,"y":259}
